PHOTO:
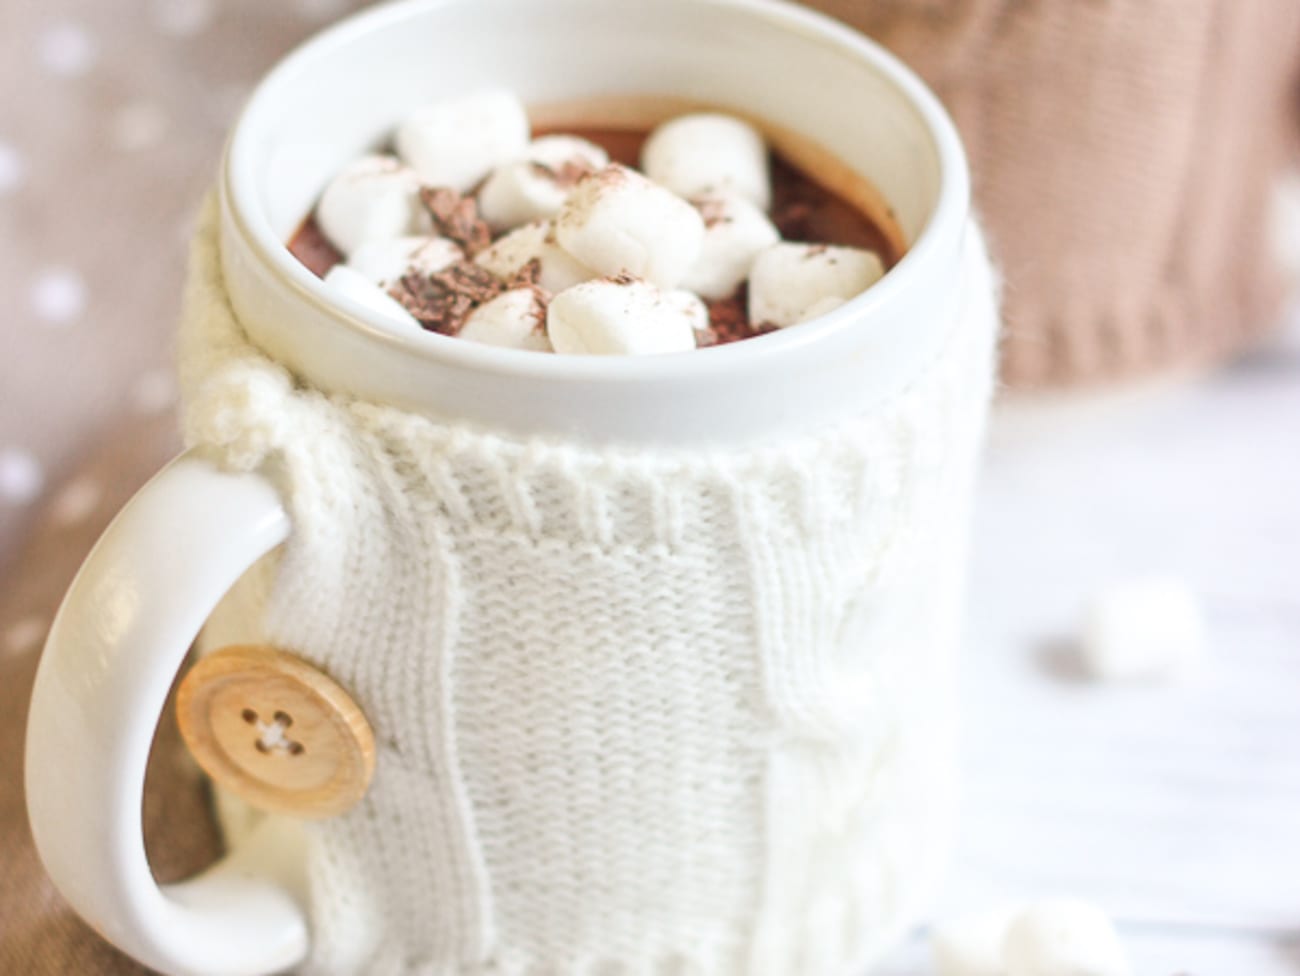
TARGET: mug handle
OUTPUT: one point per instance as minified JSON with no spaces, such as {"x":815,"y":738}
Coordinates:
{"x":114,"y":650}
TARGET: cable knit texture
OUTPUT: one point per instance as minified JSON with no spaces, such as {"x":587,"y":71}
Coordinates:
{"x":638,"y":712}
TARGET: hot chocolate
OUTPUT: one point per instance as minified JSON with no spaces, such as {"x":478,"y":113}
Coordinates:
{"x":732,"y":235}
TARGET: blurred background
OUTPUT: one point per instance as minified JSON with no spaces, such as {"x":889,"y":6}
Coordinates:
{"x":1133,"y":162}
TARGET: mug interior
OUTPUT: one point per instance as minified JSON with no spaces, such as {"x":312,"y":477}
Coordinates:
{"x":343,"y":93}
{"x":318,"y":113}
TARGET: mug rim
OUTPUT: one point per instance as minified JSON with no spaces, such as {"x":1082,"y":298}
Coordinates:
{"x":938,"y":236}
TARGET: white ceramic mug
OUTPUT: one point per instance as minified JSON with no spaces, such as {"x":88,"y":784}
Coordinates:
{"x":194,"y":531}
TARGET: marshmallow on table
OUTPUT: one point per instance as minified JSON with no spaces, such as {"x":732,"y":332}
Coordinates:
{"x":536,"y":186}
{"x":515,"y":319}
{"x":373,"y":198}
{"x":619,"y":316}
{"x":1063,"y":937}
{"x":792,"y":283}
{"x":1142,"y":629}
{"x":693,"y":154}
{"x":972,"y":945}
{"x":616,"y":221}
{"x":735,"y":231}
{"x":559,"y":270}
{"x":458,"y":141}
{"x":385,"y":261}
{"x":356,"y":286}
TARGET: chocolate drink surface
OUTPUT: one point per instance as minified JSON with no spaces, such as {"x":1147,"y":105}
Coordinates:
{"x":802,"y":209}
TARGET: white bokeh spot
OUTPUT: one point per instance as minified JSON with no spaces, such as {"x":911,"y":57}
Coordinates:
{"x":76,"y":501}
{"x":183,"y":18}
{"x":67,"y":50}
{"x":21,"y":477}
{"x":58,"y":296}
{"x":13,"y":171}
{"x":138,"y":126}
{"x":25,"y":635}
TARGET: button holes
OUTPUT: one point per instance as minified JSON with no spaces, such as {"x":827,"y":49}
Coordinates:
{"x":271,"y":736}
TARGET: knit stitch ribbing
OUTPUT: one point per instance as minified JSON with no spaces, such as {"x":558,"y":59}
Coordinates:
{"x":638,"y":712}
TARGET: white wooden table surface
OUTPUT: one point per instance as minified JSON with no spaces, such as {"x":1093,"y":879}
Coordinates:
{"x":1176,"y":807}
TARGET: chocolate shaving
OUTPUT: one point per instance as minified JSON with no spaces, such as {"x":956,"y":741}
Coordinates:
{"x":622,"y":278}
{"x":443,"y":301}
{"x":526,"y":276}
{"x":456,"y":217}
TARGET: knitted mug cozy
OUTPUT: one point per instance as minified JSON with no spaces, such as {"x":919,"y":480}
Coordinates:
{"x":1125,"y":157}
{"x":637,"y":711}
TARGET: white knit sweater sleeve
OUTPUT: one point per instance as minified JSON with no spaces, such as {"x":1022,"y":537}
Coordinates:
{"x":637,"y":712}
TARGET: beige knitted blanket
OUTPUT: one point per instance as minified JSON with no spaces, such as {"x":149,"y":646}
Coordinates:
{"x":1125,"y":155}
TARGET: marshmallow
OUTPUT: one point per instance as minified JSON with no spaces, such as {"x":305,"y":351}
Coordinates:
{"x":735,"y":231}
{"x":356,"y":286}
{"x":535,"y":187}
{"x":559,"y":150}
{"x":790,"y":283}
{"x":616,"y":221}
{"x":1142,"y":629}
{"x":693,"y":154}
{"x":384,"y":261}
{"x":820,"y":307}
{"x":1063,"y":938}
{"x":509,"y":254}
{"x":514,"y":319}
{"x":374,"y":198}
{"x":614,"y":316}
{"x":459,"y":141}
{"x":972,"y":945}
{"x":690,"y":305}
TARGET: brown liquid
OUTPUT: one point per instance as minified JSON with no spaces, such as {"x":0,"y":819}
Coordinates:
{"x":803,"y":209}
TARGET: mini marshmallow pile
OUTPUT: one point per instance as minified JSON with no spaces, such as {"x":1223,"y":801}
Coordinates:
{"x":476,"y":229}
{"x":1056,"y":937}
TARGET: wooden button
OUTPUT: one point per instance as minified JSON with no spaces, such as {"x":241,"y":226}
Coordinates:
{"x":276,"y":732}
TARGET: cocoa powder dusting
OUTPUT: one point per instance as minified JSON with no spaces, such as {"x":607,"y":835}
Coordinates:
{"x":541,"y":302}
{"x":443,"y":301}
{"x":712,"y":210}
{"x":526,"y":276}
{"x":567,"y":174}
{"x":456,"y":217}
{"x":802,"y":209}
